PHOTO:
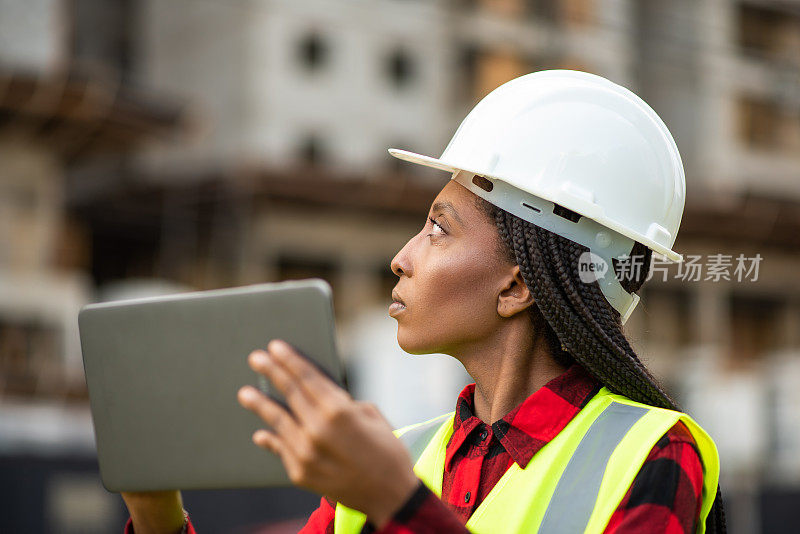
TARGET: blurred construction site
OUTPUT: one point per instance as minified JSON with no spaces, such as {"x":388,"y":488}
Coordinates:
{"x":156,"y":146}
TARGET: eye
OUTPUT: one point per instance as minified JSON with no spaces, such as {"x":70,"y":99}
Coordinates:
{"x":437,"y":228}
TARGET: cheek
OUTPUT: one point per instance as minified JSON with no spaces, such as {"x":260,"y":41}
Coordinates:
{"x":454,"y":303}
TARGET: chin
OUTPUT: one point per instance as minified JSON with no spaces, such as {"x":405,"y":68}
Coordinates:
{"x":415,"y":344}
{"x":411,"y":348}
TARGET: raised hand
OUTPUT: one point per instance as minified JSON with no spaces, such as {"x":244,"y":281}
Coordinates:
{"x":328,"y":442}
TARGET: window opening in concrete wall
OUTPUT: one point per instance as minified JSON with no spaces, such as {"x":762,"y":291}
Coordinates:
{"x":769,"y":33}
{"x":29,"y":357}
{"x":766,"y":124}
{"x":312,"y":149}
{"x":754,"y":326}
{"x":401,"y":68}
{"x":313,"y":51}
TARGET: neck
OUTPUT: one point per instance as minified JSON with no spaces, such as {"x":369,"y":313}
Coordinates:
{"x":508,"y":368}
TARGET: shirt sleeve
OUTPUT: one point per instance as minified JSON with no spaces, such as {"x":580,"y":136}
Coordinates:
{"x":666,"y":494}
{"x":321,"y":520}
{"x":424,"y":513}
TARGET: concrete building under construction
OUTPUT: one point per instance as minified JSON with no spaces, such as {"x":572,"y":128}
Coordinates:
{"x":161,"y":145}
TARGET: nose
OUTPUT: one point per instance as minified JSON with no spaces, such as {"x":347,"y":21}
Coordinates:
{"x":401,"y":263}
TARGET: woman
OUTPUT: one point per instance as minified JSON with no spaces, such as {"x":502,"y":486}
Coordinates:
{"x":555,"y":175}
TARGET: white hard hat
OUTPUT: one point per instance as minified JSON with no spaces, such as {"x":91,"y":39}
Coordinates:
{"x":580,"y":141}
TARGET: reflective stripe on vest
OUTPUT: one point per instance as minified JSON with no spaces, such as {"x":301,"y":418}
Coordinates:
{"x":574,"y":483}
{"x":574,"y":497}
{"x":416,"y":437}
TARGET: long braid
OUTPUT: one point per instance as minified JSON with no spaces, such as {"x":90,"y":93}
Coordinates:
{"x":579,"y":321}
{"x":572,"y":312}
{"x":603,"y":322}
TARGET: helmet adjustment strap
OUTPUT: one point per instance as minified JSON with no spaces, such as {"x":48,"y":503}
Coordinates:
{"x":604,"y":244}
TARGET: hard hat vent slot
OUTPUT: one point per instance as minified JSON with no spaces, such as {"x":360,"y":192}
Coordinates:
{"x":534,"y":208}
{"x":569,"y":215}
{"x":483,"y":183}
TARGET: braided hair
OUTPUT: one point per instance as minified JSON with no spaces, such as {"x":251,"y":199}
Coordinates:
{"x":579,"y":323}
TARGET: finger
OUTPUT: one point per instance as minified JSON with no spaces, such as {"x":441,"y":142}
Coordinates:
{"x":295,"y":395}
{"x":269,"y":441}
{"x":270,"y":412}
{"x":317,"y":386}
{"x":272,"y":442}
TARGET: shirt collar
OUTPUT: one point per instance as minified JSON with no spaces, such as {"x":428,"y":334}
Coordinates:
{"x":534,"y":422}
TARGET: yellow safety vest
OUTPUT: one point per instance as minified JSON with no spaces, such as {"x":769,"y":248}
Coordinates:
{"x":574,"y":483}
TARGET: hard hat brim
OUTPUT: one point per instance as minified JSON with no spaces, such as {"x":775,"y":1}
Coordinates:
{"x":437,"y":163}
{"x":422,"y":160}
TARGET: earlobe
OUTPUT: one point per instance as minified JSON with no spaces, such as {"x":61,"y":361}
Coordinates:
{"x":515,"y":296}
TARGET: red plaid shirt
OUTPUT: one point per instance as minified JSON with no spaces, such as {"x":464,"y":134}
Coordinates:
{"x":665,"y":495}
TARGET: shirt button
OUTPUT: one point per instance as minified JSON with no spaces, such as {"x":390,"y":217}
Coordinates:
{"x":483,"y":435}
{"x":467,"y":496}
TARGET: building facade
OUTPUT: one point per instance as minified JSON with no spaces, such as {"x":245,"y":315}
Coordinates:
{"x":280,"y":171}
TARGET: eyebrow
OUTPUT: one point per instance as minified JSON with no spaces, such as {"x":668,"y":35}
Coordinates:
{"x":443,"y":205}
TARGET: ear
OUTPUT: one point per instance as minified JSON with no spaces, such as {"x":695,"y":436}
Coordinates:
{"x":514,"y":296}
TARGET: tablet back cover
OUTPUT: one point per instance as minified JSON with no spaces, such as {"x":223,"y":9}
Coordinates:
{"x":163,"y":374}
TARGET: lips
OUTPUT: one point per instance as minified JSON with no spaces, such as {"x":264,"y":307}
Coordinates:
{"x":397,"y":306}
{"x":396,"y":297}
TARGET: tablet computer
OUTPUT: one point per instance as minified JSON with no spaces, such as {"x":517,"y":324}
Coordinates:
{"x":163,"y":374}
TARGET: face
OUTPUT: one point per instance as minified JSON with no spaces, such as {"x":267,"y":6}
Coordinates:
{"x":450,"y":277}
